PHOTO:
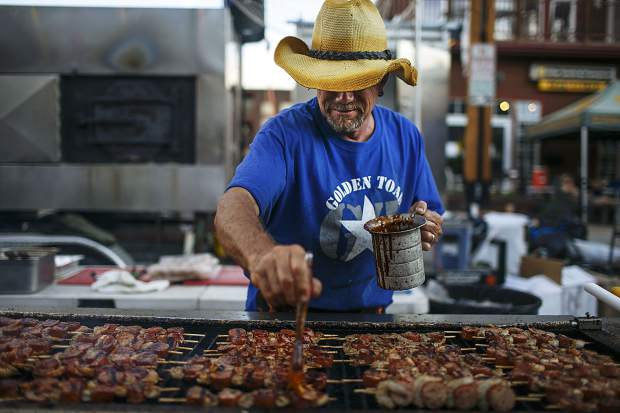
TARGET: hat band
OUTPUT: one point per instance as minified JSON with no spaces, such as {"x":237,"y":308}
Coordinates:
{"x":331,"y":55}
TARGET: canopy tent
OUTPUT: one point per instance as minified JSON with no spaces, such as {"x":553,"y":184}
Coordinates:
{"x":599,"y":112}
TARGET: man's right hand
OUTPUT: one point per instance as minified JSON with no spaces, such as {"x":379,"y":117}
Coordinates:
{"x":284,"y":277}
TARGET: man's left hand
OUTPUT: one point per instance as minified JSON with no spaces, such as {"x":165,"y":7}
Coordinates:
{"x":432,"y":230}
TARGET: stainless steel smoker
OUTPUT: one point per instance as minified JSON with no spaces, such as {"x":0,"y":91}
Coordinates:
{"x":118,"y":109}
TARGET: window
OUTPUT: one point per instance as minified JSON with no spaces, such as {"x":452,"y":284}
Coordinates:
{"x":505,"y":18}
{"x":530,"y":25}
{"x":457,"y":9}
{"x":562,"y":20}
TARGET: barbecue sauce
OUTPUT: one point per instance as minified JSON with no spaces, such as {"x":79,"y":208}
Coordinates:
{"x":302,"y":390}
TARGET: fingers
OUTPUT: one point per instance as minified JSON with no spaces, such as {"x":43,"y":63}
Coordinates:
{"x":317,"y":288}
{"x":300,"y":269}
{"x":419,"y":207}
{"x":284,"y":277}
{"x":435,"y":218}
{"x":260,"y":281}
{"x":428,"y":239}
{"x":432,"y":230}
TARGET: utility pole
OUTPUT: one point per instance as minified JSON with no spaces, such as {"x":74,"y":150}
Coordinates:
{"x":481,"y":99}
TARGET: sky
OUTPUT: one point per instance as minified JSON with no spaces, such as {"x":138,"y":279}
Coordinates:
{"x":258,"y":57}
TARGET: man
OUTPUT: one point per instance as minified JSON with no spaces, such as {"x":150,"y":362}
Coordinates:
{"x":318,"y":171}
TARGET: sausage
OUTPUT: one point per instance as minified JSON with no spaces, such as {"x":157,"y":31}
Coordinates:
{"x":433,"y":394}
{"x":497,"y":395}
{"x":264,"y":398}
{"x":317,"y":379}
{"x":144,"y":359}
{"x":372,"y":377}
{"x":41,"y":390}
{"x":609,"y":370}
{"x":71,"y":390}
{"x":391,"y":394}
{"x":134,"y":394}
{"x":49,"y":323}
{"x":9,"y":388}
{"x":222,"y":377}
{"x":48,"y":368}
{"x":462,"y":393}
{"x":229,"y":397}
{"x":7,"y":370}
{"x":466,"y":396}
{"x":256,"y":378}
{"x":468,"y":333}
{"x":237,"y":336}
{"x":39,"y":345}
{"x":282,"y":400}
{"x":557,"y":392}
{"x":101,"y":393}
{"x":194,"y":395}
{"x":246,"y":400}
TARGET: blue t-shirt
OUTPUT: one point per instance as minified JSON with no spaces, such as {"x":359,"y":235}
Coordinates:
{"x":317,"y":190}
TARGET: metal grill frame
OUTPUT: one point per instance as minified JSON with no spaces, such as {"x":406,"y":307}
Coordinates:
{"x":604,"y":335}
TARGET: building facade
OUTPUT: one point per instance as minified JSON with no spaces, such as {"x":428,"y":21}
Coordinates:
{"x":550,"y":53}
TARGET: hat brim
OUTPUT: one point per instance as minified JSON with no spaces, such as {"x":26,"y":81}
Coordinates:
{"x":337,"y":75}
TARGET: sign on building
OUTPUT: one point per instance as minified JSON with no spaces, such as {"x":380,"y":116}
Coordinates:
{"x":528,"y":112}
{"x":482,"y":75}
{"x":554,"y":77}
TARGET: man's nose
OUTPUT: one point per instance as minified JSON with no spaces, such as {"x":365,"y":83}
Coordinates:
{"x":345,"y":97}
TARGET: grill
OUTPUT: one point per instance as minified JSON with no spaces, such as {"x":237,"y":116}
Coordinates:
{"x":206,"y":330}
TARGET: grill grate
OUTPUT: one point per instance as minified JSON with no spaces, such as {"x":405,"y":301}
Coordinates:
{"x":206,"y":335}
{"x":343,"y":394}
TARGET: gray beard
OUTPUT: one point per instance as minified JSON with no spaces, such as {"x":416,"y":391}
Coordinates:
{"x":345,"y":126}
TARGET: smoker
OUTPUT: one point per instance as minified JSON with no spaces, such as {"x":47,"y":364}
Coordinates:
{"x":120,"y":109}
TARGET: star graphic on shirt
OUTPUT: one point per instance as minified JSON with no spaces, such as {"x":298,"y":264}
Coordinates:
{"x":363,"y":239}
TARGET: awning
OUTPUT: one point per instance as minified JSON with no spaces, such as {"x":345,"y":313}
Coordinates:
{"x":600,"y":111}
{"x":596,"y":113}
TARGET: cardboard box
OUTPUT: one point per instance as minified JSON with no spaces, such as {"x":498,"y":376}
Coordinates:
{"x":532,"y":265}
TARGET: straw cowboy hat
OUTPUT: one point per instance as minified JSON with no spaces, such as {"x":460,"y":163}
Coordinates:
{"x":349,"y":50}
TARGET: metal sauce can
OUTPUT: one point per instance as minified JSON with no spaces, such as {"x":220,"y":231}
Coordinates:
{"x":397,"y":246}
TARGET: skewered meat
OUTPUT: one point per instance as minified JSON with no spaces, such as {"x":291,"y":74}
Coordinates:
{"x":265,"y":398}
{"x":221,"y":377}
{"x":228,"y":397}
{"x":496,"y":394}
{"x":41,"y":390}
{"x":462,"y":393}
{"x":9,"y":388}
{"x":71,"y":390}
{"x":200,"y":396}
{"x":114,"y":361}
{"x":391,"y":394}
{"x":434,"y":393}
{"x":430,"y":392}
{"x":48,"y":368}
{"x":372,"y":377}
{"x":237,"y":336}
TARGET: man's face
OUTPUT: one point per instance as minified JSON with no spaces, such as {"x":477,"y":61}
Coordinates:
{"x":346,"y":112}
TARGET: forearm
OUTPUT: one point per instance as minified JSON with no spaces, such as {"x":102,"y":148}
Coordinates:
{"x":239,"y":229}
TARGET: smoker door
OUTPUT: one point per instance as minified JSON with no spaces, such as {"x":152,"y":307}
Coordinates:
{"x":128,"y":119}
